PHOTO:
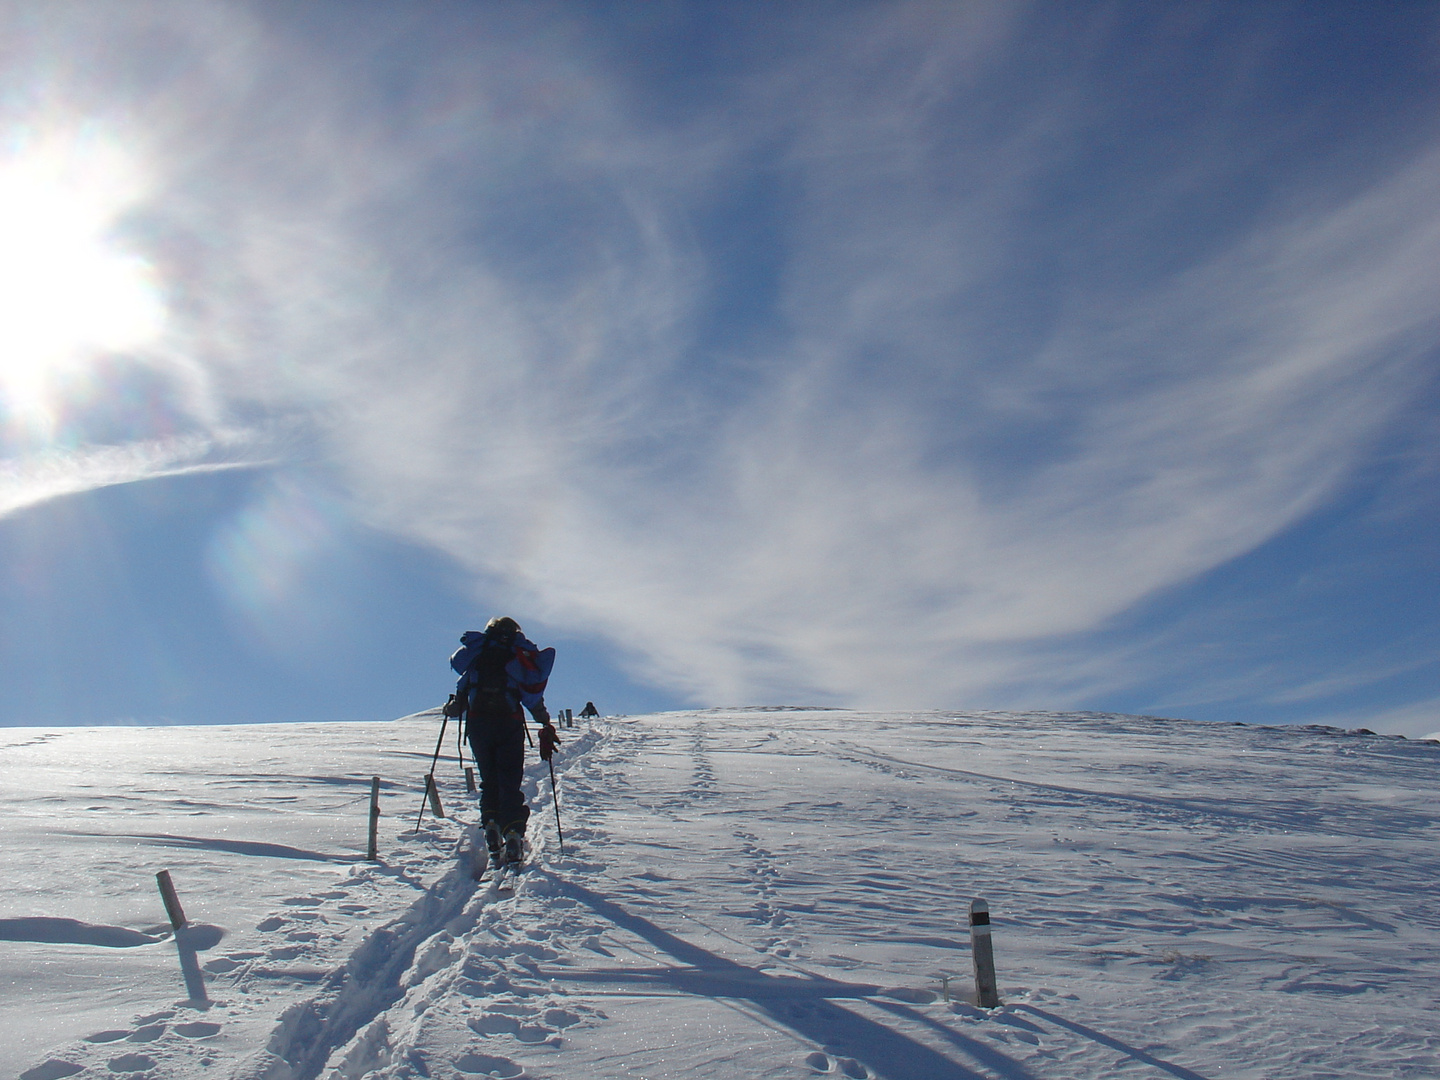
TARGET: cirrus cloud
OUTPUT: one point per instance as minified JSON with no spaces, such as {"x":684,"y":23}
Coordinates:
{"x":876,"y":368}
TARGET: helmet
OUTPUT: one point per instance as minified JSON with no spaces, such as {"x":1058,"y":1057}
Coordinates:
{"x":502,"y":624}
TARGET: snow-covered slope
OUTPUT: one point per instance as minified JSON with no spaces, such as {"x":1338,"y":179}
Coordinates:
{"x":753,"y":893}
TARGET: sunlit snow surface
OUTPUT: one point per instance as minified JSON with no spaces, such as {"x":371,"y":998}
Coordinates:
{"x":757,"y":893}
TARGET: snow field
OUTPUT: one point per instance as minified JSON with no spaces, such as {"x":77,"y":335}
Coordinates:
{"x":263,"y":829}
{"x":751,"y":893}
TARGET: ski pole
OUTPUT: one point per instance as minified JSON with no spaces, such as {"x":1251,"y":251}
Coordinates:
{"x":555,"y":798}
{"x":431,"y":774}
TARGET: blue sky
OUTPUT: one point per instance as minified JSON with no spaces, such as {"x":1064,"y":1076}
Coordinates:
{"x":897,"y":355}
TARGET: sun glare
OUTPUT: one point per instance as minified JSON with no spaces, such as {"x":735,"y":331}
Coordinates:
{"x":68,"y":293}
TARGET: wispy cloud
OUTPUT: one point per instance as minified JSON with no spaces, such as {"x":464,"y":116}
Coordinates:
{"x":40,"y":477}
{"x":861,"y":375}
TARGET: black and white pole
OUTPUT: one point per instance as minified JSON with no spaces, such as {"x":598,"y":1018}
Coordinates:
{"x":171,"y":899}
{"x":986,"y":994}
{"x":372,"y":848}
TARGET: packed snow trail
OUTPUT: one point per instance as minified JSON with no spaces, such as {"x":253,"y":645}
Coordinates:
{"x":780,"y":893}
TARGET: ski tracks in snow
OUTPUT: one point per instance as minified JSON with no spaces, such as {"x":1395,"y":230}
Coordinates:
{"x":373,"y":1015}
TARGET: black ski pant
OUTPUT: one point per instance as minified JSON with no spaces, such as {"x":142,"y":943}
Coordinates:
{"x":499,"y":748}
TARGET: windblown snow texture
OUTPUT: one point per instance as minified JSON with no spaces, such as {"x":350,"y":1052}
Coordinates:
{"x":753,"y":893}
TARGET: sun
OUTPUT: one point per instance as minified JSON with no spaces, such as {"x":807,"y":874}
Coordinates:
{"x":69,"y":293}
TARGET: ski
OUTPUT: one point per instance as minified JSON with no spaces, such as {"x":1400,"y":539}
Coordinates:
{"x":499,"y":869}
{"x":505,"y":876}
{"x":500,"y":874}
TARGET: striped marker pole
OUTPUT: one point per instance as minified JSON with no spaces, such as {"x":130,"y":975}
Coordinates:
{"x":372,"y":849}
{"x":986,"y":995}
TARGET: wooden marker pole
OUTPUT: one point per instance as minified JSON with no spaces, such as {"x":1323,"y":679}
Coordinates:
{"x":372,"y":849}
{"x":434,"y":795}
{"x":430,"y":776}
{"x":986,"y":995}
{"x":172,"y":901}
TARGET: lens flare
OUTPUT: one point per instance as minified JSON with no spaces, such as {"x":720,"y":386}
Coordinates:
{"x":69,"y":292}
{"x":276,"y":563}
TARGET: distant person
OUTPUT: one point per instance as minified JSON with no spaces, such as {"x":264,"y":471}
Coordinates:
{"x":500,"y":670}
{"x":589,"y":710}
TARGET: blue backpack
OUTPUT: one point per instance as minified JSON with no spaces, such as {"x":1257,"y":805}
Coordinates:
{"x":499,"y":673}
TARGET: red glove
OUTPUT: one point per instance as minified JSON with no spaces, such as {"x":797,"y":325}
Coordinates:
{"x":548,"y":741}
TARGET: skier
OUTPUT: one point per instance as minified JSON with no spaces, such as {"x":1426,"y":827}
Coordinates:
{"x":589,"y":710}
{"x":501,"y":670}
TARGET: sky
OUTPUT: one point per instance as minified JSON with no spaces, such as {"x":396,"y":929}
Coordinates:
{"x":988,"y":355}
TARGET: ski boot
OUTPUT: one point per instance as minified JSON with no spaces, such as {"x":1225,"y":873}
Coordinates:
{"x":515,"y":846}
{"x":494,"y":844}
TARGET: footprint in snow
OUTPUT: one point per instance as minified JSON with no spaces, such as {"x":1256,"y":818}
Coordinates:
{"x":487,"y":1065}
{"x":501,"y":1024}
{"x":199,"y":1029}
{"x":130,"y":1063}
{"x":223,"y":964}
{"x":560,"y":1018}
{"x":54,"y":1069}
{"x":524,"y":1024}
{"x":146,"y":1031}
{"x":848,"y":1066}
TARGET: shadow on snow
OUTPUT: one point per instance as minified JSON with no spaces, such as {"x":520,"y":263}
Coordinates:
{"x":804,"y":1005}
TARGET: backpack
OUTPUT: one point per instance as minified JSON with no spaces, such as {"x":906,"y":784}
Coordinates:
{"x":491,"y":695}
